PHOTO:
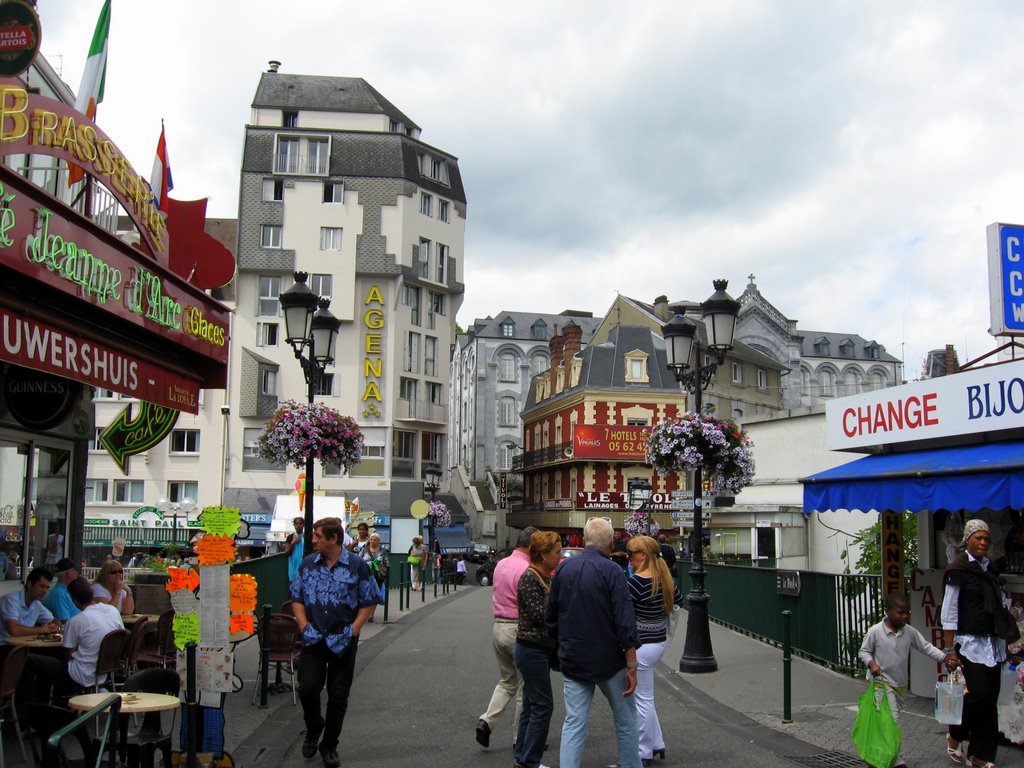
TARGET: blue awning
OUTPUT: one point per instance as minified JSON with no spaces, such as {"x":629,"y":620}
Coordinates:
{"x":453,"y":540}
{"x":970,"y":478}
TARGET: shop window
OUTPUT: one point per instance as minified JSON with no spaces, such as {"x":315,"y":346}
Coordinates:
{"x":185,"y":441}
{"x":129,"y":491}
{"x":179,"y":490}
{"x":97,"y":491}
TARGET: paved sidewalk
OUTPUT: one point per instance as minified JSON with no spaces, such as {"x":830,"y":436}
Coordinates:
{"x":824,"y":703}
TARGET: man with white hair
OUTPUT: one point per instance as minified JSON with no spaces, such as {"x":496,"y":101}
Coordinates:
{"x":590,"y":613}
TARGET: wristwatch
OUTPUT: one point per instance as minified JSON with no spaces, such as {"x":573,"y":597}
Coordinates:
{"x":631,"y":666}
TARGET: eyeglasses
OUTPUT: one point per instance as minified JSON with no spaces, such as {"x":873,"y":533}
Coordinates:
{"x":633,"y":551}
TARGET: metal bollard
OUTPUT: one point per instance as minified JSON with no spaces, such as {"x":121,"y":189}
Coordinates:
{"x":387,"y":594}
{"x":787,"y":669}
{"x":265,"y":656}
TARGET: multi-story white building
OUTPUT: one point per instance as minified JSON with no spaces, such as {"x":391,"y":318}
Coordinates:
{"x":337,"y":183}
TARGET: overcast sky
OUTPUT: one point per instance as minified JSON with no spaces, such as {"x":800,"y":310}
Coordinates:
{"x":849,"y":154}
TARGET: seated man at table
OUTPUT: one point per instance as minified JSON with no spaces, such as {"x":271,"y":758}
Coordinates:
{"x":82,"y":637}
{"x":23,"y":613}
{"x":58,"y":599}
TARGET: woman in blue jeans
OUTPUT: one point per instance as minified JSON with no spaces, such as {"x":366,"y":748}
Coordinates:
{"x":535,"y":649}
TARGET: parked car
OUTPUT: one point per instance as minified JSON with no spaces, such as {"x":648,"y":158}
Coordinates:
{"x":480,"y":553}
{"x":485,"y":571}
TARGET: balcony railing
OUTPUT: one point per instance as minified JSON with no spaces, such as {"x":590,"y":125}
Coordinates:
{"x":420,"y":410}
{"x":553,"y":454}
{"x":301,"y":164}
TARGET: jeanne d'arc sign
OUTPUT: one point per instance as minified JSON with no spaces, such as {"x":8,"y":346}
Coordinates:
{"x":82,"y":303}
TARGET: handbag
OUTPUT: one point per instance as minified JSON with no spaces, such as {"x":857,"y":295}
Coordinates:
{"x":876,"y":736}
{"x":414,"y":559}
{"x":673,"y":621}
{"x":1012,"y":630}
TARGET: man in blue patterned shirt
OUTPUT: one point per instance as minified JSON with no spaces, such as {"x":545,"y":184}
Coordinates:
{"x":333,"y":595}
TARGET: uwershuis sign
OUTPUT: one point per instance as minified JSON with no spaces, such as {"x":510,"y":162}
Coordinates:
{"x":984,"y":400}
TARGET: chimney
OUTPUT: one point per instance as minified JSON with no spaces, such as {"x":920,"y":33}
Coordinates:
{"x":573,"y":344}
{"x":661,"y":309}
{"x":952,"y":364}
{"x":555,"y":348}
{"x":274,"y":65}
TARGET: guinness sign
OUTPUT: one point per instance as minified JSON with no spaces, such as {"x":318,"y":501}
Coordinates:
{"x":38,"y":400}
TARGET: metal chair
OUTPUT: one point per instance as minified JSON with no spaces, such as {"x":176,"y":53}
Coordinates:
{"x":164,"y":653}
{"x":10,"y":676}
{"x":143,"y":743}
{"x":130,"y":660}
{"x":109,"y":659}
{"x":283,"y":651}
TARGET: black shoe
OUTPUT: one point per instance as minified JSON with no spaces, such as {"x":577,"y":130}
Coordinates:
{"x":330,"y":756}
{"x":309,"y":744}
{"x":483,"y":733}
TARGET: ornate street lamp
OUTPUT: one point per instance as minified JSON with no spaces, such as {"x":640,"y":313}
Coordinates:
{"x":432,"y":482}
{"x":683,"y":344}
{"x":177,"y":509}
{"x":639,"y":495}
{"x":311,"y":329}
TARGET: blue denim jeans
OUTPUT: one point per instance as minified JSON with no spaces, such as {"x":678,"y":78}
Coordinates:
{"x":538,"y":703}
{"x":578,"y":698}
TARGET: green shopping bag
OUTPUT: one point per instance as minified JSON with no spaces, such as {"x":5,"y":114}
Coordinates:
{"x":876,"y":735}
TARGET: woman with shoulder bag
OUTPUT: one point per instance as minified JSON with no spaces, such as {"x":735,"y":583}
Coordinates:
{"x":535,"y":651}
{"x":376,"y":556}
{"x":417,"y":559}
{"x":654,"y":597}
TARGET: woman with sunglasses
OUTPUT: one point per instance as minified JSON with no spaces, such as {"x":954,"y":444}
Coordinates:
{"x":653,"y":594}
{"x":111,"y":588}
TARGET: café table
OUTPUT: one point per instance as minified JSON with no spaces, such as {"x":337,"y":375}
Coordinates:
{"x":134,"y":703}
{"x":48,"y":642}
{"x":130,"y":618}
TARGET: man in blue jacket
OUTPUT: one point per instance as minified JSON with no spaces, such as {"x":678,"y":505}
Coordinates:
{"x":590,"y":613}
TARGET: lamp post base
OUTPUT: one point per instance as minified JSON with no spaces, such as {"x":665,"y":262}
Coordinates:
{"x":698,"y":657}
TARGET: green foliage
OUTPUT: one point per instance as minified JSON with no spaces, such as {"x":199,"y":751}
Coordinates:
{"x":869,"y":540}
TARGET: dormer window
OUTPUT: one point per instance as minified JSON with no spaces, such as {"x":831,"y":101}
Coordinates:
{"x":822,"y":347}
{"x":434,"y":168}
{"x":873,"y":350}
{"x":540,"y":330}
{"x":290,"y":119}
{"x":636,"y":367}
{"x":847,"y":348}
{"x":508,"y":327}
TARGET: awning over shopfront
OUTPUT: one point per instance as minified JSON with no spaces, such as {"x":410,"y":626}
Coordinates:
{"x":970,"y":478}
{"x":453,"y":540}
{"x":104,"y":536}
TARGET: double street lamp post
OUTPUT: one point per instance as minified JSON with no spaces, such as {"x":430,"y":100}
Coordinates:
{"x":177,"y":509}
{"x":432,"y":483}
{"x":683,"y":345}
{"x":311,"y":329}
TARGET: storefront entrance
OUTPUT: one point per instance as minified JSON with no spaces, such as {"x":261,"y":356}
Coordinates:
{"x":39,"y":470}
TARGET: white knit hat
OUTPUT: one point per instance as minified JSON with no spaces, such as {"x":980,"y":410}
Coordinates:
{"x":971,"y":527}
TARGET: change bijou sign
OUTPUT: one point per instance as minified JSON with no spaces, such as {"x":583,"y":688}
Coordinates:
{"x":982,"y":400}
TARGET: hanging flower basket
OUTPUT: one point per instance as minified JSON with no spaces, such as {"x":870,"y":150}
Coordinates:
{"x":441,"y":514}
{"x":719,"y":446}
{"x":298,"y":429}
{"x":636,"y":524}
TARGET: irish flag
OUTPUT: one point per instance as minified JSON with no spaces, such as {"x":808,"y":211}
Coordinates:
{"x":160,"y":180}
{"x":91,"y":91}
